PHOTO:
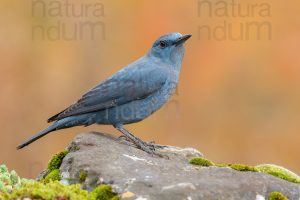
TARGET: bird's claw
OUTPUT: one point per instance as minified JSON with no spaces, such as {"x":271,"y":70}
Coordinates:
{"x":150,"y":148}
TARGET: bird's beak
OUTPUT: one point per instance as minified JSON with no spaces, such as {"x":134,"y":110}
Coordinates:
{"x":182,"y":39}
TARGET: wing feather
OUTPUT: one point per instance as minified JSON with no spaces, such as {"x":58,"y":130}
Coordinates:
{"x":132,"y":83}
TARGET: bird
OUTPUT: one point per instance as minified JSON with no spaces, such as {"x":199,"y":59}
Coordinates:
{"x":128,"y":96}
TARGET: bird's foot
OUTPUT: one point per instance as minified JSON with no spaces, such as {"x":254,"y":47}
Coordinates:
{"x":157,"y":146}
{"x":127,"y":141}
{"x":149,"y":147}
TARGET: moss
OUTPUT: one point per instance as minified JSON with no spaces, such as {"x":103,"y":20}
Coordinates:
{"x":277,"y":196}
{"x":3,"y":169}
{"x":242,"y":167}
{"x":8,"y":180}
{"x":56,"y":190}
{"x":274,"y":170}
{"x":48,"y":191}
{"x":56,"y":160}
{"x":82,"y":175}
{"x":103,"y":192}
{"x":206,"y":163}
{"x":49,"y":188}
{"x":201,"y":162}
{"x":53,"y":172}
{"x":54,"y":175}
{"x":279,"y":172}
{"x":239,"y":167}
{"x":221,"y":165}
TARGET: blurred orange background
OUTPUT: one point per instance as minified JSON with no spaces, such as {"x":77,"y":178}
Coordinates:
{"x":237,"y":100}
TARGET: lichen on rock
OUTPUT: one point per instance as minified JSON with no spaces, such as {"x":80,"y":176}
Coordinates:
{"x":82,"y":175}
{"x":201,"y":162}
{"x":279,"y":172}
{"x":103,"y":192}
{"x":274,"y":170}
{"x":56,"y":160}
{"x":206,"y":163}
{"x":242,"y":167}
{"x":53,"y":172}
{"x":54,"y":175}
{"x":277,"y":196}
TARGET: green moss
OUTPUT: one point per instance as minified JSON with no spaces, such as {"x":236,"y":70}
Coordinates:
{"x":53,"y":172}
{"x":13,"y":187}
{"x":279,"y":172}
{"x":48,"y":191}
{"x":82,"y":175}
{"x":242,"y":167}
{"x":274,"y":170}
{"x":54,"y":175}
{"x":56,"y":160}
{"x":201,"y":162}
{"x":277,"y":196}
{"x":206,"y":163}
{"x":221,"y":165}
{"x":56,"y":190}
{"x":3,"y":169}
{"x":239,"y":167}
{"x":8,"y":180}
{"x":103,"y":192}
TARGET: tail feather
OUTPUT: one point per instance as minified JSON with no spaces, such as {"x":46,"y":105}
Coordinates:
{"x":85,"y":120}
{"x":42,"y":133}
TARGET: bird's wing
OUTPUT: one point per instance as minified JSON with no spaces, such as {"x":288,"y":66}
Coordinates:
{"x":132,"y":83}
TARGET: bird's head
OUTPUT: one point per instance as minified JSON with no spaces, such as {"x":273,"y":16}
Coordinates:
{"x":169,"y":48}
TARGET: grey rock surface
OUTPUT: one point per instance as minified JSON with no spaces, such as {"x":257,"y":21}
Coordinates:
{"x":138,"y":175}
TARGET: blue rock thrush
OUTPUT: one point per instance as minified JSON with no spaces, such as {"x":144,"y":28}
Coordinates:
{"x":130,"y":95}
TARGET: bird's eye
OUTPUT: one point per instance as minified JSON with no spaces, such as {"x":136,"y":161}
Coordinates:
{"x":162,"y":44}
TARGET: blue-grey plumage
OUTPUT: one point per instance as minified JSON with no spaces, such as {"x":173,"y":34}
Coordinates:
{"x":131,"y":94}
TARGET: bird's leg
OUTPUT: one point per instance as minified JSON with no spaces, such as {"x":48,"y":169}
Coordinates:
{"x":127,"y":141}
{"x":145,"y":146}
{"x":130,"y":143}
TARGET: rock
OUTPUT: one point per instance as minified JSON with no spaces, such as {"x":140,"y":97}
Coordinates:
{"x":135,"y":174}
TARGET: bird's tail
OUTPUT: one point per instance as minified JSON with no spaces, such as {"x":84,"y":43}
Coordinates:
{"x":60,"y":124}
{"x":38,"y":135}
